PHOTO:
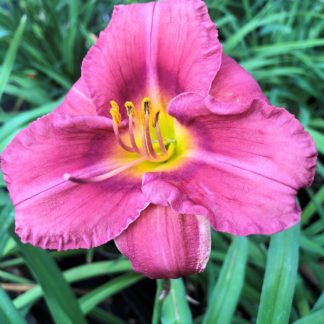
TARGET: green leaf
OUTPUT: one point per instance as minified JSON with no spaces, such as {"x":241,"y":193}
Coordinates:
{"x":58,"y":295}
{"x":226,"y":293}
{"x":6,"y":216}
{"x":313,"y":318}
{"x":175,"y":308}
{"x":93,"y":298}
{"x":76,"y":274}
{"x":282,"y":48}
{"x":311,"y":246}
{"x":74,"y":6}
{"x":105,"y":317}
{"x":11,"y":55}
{"x":13,"y":278}
{"x":250,"y":26}
{"x":8,"y":313}
{"x":54,"y":75}
{"x":319,"y":303}
{"x":314,"y":204}
{"x":280,"y":278}
{"x":300,"y":298}
{"x":318,"y":138}
{"x":158,"y":301}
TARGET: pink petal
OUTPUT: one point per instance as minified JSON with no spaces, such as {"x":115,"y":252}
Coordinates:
{"x":156,"y":49}
{"x":246,"y":171}
{"x":77,"y":101}
{"x":55,"y":213}
{"x":234,"y":84}
{"x":165,"y":244}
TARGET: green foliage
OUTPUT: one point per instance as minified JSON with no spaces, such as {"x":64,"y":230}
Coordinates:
{"x":223,"y":301}
{"x":10,"y":57}
{"x":175,"y":308}
{"x":61,"y":302}
{"x":8,"y":313}
{"x":280,"y":278}
{"x":247,"y":280}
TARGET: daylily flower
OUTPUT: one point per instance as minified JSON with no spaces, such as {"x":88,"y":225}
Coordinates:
{"x":162,"y":137}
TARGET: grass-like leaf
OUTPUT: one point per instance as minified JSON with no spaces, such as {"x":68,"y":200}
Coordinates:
{"x":9,"y":59}
{"x":225,"y":296}
{"x":76,"y":274}
{"x":58,"y":295}
{"x":313,"y":318}
{"x":175,"y":308}
{"x":92,"y":299}
{"x":8,"y":313}
{"x":280,"y":278}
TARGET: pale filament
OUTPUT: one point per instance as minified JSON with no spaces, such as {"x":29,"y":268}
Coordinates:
{"x":148,"y":136}
{"x":119,"y":139}
{"x":131,"y":135}
{"x":144,"y":146}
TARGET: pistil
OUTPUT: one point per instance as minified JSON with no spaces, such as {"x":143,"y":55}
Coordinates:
{"x":105,"y":175}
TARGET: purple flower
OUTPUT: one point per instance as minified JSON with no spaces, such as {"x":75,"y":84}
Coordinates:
{"x":161,"y":137}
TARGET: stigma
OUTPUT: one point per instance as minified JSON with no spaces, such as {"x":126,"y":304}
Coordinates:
{"x":144,"y":134}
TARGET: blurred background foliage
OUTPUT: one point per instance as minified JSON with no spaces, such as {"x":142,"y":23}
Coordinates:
{"x":259,"y":279}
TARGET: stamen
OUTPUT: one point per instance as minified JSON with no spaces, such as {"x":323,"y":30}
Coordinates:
{"x":144,"y":146}
{"x":116,"y":116}
{"x":155,"y":118}
{"x":130,"y":107}
{"x":104,"y":176}
{"x":146,"y":106}
{"x":131,"y":113}
{"x":148,"y":137}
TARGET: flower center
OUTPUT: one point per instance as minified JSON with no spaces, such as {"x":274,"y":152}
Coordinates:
{"x":142,"y":147}
{"x":145,"y":137}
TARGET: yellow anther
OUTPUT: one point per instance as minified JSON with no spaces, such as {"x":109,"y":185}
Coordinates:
{"x":114,"y":105}
{"x":115,"y":114}
{"x":146,"y":105}
{"x":130,"y":107}
{"x":155,"y":118}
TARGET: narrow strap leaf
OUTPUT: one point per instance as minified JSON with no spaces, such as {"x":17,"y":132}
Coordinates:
{"x":225,"y":296}
{"x":280,"y":278}
{"x":313,"y":318}
{"x":11,"y":55}
{"x":175,"y":308}
{"x":76,"y":274}
{"x":62,"y":304}
{"x":8,"y":312}
{"x":89,"y":301}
